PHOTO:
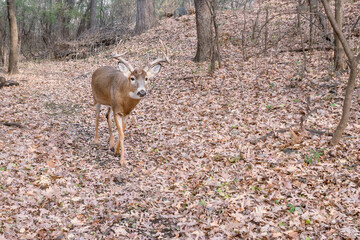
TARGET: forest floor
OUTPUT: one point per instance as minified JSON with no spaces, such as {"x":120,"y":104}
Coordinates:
{"x":241,"y":154}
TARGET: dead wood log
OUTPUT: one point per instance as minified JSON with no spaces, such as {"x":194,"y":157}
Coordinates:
{"x":13,"y":124}
{"x":306,"y":49}
{"x":7,"y":83}
{"x":2,"y":81}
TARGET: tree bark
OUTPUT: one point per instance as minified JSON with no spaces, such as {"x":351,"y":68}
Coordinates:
{"x":102,"y":13}
{"x":304,"y":68}
{"x":339,"y":55}
{"x":145,"y":15}
{"x":354,"y":60}
{"x":69,"y":5}
{"x":203,"y":30}
{"x":311,"y":23}
{"x":46,"y":24}
{"x":319,"y":16}
{"x":60,"y":20}
{"x":82,"y":25}
{"x":92,"y":14}
{"x":215,"y":49}
{"x":266,"y":29}
{"x":14,"y":38}
{"x":3,"y":38}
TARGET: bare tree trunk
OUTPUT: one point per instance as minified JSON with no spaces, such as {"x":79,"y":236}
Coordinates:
{"x":3,"y":38}
{"x":47,"y":25}
{"x":215,"y":48}
{"x":311,"y":24}
{"x":1,"y":50}
{"x":207,"y":33}
{"x":354,"y":60}
{"x":339,"y":56}
{"x":92,"y":14}
{"x":347,"y":103}
{"x":216,"y":51}
{"x":204,"y":31}
{"x":266,"y":29}
{"x":60,"y":20}
{"x":102,"y":13}
{"x":69,"y":5}
{"x":322,"y":20}
{"x":255,"y":24}
{"x":304,"y":69}
{"x":145,"y":15}
{"x":82,"y":25}
{"x":243,"y":33}
{"x":14,"y":38}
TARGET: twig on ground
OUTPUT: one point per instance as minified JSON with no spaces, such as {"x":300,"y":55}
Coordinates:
{"x":319,"y":132}
{"x":12,"y":124}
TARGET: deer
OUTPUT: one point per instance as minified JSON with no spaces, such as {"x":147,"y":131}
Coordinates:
{"x":121,"y":90}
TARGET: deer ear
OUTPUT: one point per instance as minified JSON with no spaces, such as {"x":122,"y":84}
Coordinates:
{"x":123,"y":68}
{"x":154,"y":70}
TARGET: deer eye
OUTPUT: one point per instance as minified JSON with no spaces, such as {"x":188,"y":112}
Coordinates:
{"x":146,"y":78}
{"x":132,"y":78}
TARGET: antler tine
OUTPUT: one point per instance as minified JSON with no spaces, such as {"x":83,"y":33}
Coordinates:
{"x":164,"y":59}
{"x":126,"y":63}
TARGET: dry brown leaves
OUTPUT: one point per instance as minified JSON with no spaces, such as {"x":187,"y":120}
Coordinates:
{"x":208,"y":157}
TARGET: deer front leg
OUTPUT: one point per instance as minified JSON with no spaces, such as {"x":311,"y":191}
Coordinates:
{"x":111,"y":138}
{"x":124,"y":119}
{"x":96,"y":138}
{"x":120,"y":143}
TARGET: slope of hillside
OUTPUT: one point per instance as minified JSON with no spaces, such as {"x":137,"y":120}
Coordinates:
{"x":241,"y":154}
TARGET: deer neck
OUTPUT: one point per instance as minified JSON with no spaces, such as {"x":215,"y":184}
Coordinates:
{"x":128,"y":98}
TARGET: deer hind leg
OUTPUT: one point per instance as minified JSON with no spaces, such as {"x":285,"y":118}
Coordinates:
{"x":120,"y":143}
{"x":111,"y":138}
{"x":96,"y":138}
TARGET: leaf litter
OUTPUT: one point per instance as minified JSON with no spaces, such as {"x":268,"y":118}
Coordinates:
{"x":208,"y":157}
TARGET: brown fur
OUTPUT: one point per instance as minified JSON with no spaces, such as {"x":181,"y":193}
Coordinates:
{"x":111,"y":87}
{"x":121,"y":90}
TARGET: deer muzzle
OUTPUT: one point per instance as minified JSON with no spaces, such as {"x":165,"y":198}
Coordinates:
{"x":141,"y":93}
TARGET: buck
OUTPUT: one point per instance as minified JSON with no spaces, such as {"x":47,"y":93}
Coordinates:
{"x":121,"y":89}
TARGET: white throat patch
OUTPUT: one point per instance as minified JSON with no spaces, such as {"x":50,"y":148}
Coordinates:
{"x":133,"y":95}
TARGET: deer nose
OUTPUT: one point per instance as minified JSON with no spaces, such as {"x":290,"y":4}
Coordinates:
{"x":141,"y":93}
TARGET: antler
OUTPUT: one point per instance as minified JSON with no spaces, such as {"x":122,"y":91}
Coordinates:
{"x":159,"y":60}
{"x":126,"y":63}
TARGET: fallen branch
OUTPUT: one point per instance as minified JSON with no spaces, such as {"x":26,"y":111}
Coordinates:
{"x":13,"y":124}
{"x":304,"y":117}
{"x":319,"y":132}
{"x":186,"y":78}
{"x":8,"y":83}
{"x":312,"y":131}
{"x":307,"y":49}
{"x":82,"y":76}
{"x":308,"y":112}
{"x":353,"y":28}
{"x":270,"y":134}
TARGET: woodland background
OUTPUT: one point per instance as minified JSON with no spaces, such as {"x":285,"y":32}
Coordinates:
{"x":242,"y":152}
